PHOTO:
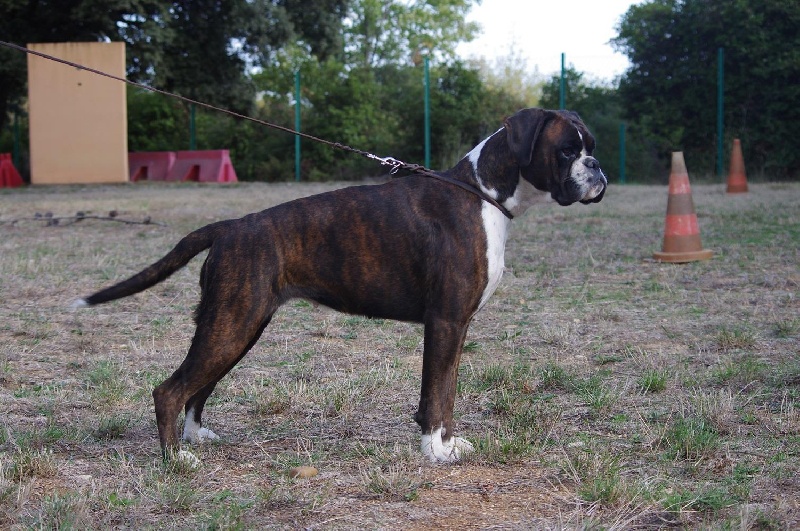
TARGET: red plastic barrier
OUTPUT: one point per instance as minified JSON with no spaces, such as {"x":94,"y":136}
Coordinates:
{"x":150,"y":165}
{"x":212,"y":166}
{"x":9,"y":176}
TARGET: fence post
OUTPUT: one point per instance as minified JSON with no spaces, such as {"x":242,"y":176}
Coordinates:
{"x":16,"y":150}
{"x":622,"y":153}
{"x":297,"y":125}
{"x":562,"y":87}
{"x":427,"y":113}
{"x":720,"y":107}
{"x":192,"y":129}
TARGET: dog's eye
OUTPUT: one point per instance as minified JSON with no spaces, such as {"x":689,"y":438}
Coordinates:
{"x":568,"y":152}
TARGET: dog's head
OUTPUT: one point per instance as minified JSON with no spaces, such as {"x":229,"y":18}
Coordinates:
{"x":554,"y":152}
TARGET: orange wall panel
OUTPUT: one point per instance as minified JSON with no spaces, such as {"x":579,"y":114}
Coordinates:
{"x":78,"y":120}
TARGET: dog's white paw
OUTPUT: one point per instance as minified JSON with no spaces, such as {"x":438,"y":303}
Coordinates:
{"x":188,"y":458}
{"x":444,"y":451}
{"x":204,"y":434}
{"x":199,"y":436}
{"x":194,"y":433}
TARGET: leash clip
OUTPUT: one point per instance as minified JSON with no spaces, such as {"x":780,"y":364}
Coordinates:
{"x":385,"y":161}
{"x":394,"y":163}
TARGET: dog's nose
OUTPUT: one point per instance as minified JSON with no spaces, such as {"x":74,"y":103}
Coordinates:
{"x":591,"y":163}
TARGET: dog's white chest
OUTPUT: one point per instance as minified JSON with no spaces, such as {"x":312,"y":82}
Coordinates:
{"x":495,"y":224}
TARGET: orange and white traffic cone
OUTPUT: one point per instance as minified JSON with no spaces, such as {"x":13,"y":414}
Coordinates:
{"x":737,"y":178}
{"x":681,"y":231}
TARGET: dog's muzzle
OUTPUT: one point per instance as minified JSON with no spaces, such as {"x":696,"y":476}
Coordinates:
{"x":594,"y":181}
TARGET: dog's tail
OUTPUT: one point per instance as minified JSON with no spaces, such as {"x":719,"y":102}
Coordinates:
{"x":189,"y":247}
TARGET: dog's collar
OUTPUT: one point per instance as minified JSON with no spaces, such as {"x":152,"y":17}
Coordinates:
{"x":469,"y":188}
{"x":422,"y":170}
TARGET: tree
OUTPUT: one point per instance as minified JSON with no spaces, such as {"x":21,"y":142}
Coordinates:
{"x":379,"y":32}
{"x":155,"y":122}
{"x":510,"y":74}
{"x":362,"y":86}
{"x":215,"y":43}
{"x":318,"y":25}
{"x":370,"y":95}
{"x":671,"y":85}
{"x":198,"y":48}
{"x":27,"y":21}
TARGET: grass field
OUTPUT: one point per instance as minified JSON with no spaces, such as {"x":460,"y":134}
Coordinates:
{"x":601,"y":389}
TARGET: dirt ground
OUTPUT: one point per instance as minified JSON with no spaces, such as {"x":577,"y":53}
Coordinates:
{"x":601,"y":389}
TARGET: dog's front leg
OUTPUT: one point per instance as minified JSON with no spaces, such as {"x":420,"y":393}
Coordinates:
{"x":442,"y":354}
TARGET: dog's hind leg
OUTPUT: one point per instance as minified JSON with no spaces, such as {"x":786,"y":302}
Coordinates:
{"x":444,"y":341}
{"x":225,"y":332}
{"x":193,"y":430}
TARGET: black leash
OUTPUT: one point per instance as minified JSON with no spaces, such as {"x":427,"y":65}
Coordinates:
{"x":396,"y":165}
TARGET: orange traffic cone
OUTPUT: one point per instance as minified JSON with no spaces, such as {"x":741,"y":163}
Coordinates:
{"x":737,"y":178}
{"x":681,"y":232}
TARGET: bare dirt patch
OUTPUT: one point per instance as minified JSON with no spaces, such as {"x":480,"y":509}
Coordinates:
{"x":599,"y":387}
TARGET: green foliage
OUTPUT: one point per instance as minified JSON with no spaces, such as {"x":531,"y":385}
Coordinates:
{"x":710,"y":500}
{"x":156,"y":122}
{"x":317,"y":25}
{"x":671,"y":88}
{"x":735,"y":338}
{"x":554,"y":376}
{"x":209,"y":46}
{"x":23,"y":22}
{"x":199,"y":48}
{"x":377,"y":109}
{"x":595,"y":393}
{"x":691,"y":438}
{"x":465,"y":111}
{"x":362,"y":80}
{"x":380,"y":32}
{"x":112,"y":427}
{"x":599,"y":474}
{"x":511,"y":75}
{"x":369,"y":96}
{"x":62,"y":511}
{"x":653,"y":381}
{"x":105,"y":382}
{"x":741,"y":371}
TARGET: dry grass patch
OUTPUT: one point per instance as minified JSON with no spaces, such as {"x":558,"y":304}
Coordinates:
{"x":601,"y":389}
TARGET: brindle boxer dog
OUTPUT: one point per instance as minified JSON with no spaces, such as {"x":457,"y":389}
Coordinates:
{"x":414,"y":249}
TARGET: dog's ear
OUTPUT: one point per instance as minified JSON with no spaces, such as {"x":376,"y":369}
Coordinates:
{"x":522,"y":130}
{"x":572,"y":116}
{"x":575,"y":119}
